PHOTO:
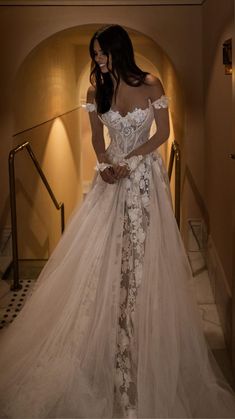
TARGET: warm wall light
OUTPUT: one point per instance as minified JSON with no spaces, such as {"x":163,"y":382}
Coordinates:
{"x":227,"y":56}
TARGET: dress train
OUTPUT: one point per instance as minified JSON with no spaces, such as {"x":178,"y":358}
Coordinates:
{"x":112,"y":329}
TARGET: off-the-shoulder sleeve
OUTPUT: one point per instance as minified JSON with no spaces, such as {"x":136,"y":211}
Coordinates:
{"x":89,"y":107}
{"x":162,"y":102}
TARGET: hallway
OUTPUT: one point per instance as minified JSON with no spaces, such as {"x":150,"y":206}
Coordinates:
{"x":44,"y":77}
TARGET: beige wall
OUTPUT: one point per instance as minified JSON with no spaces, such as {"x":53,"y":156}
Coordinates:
{"x":176,"y":30}
{"x":45,"y":87}
{"x":219,"y":169}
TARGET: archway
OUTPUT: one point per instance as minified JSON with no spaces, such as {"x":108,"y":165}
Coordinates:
{"x":50,"y":87}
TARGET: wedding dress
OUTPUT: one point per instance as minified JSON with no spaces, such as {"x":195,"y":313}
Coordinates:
{"x":112,"y":328}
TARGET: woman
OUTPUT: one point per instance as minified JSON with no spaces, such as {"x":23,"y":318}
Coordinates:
{"x":120,"y":335}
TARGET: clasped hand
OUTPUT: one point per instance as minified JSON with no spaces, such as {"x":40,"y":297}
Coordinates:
{"x":114,"y":173}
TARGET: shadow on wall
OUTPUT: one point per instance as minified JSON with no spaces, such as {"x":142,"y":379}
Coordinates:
{"x":51,"y":82}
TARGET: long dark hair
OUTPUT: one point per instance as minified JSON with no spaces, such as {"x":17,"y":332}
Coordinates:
{"x":114,"y":40}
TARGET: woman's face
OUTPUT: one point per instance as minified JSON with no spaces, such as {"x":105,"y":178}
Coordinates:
{"x":100,"y":58}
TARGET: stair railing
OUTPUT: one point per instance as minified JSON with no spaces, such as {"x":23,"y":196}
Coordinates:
{"x":175,"y":155}
{"x":59,"y":205}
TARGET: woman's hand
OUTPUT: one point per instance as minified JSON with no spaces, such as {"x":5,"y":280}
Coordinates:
{"x":121,"y":171}
{"x":113,"y":174}
{"x":108,"y":175}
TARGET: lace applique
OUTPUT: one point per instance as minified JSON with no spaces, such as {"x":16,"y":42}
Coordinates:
{"x":136,"y":221}
{"x":137,"y":114}
{"x":102,"y":166}
{"x":162,"y":102}
{"x":126,"y":124}
{"x":131,"y":162}
{"x":89,"y":107}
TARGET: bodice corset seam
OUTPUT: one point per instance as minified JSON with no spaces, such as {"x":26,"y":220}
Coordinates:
{"x":128,"y":115}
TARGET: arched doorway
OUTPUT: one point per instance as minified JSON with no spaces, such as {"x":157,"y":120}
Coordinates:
{"x":50,"y":86}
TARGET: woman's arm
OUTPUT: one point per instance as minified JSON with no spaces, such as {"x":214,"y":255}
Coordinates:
{"x":98,"y":138}
{"x":161,"y":117}
{"x":96,"y":129}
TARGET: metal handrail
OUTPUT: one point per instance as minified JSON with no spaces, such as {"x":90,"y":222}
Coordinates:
{"x":175,"y":155}
{"x":46,"y":122}
{"x":59,"y":205}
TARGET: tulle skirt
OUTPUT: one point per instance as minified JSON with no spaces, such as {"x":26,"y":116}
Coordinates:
{"x":112,"y":324}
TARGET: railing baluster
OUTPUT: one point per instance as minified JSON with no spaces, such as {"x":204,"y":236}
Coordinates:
{"x":16,"y":284}
{"x":60,"y":206}
{"x":175,"y":154}
{"x":171,"y":161}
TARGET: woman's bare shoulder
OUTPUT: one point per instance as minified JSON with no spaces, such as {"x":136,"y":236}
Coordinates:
{"x":154,"y":86}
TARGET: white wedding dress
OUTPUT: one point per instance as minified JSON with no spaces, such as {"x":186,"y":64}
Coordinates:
{"x":112,"y":329}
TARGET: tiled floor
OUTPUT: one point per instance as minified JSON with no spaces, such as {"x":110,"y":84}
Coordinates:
{"x":12,"y":301}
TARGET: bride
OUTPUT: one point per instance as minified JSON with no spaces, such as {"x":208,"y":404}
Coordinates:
{"x":111,"y":329}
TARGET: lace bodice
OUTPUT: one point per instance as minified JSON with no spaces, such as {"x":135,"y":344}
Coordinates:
{"x":129,"y":131}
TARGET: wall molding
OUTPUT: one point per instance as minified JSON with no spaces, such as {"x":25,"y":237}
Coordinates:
{"x":101,"y":2}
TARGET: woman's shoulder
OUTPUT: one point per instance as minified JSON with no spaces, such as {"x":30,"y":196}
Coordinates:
{"x":154,"y":86}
